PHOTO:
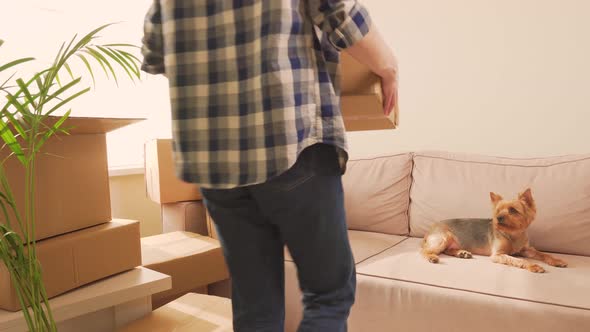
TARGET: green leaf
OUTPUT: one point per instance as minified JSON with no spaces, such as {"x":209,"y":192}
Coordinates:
{"x":57,"y":79}
{"x":7,"y":80}
{"x":106,"y":62}
{"x":13,"y":100}
{"x":88,"y":37}
{"x":129,"y":55}
{"x":16,"y":124}
{"x":14,"y":63}
{"x":99,"y":61}
{"x":67,"y":100}
{"x":57,"y":58}
{"x":69,"y":70}
{"x":52,"y":131}
{"x":53,"y":72}
{"x":121,"y":45}
{"x":83,"y":58}
{"x":66,"y":53}
{"x":3,"y":202}
{"x":29,"y":82}
{"x":116,"y":58}
{"x":129,"y":62}
{"x":8,"y":196}
{"x":8,"y":137}
{"x":29,"y":97}
{"x":62,"y":89}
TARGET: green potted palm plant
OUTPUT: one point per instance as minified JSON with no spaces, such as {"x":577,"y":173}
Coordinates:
{"x":26,"y":107}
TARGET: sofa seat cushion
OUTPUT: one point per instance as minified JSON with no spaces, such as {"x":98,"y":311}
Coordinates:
{"x":386,"y":305}
{"x":457,"y":185}
{"x":565,"y":287}
{"x":365,"y":244}
{"x":377,"y":194}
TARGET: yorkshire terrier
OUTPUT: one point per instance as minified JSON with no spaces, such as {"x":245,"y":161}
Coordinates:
{"x":502,"y":237}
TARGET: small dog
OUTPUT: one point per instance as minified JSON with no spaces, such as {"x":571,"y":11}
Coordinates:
{"x":500,"y":237}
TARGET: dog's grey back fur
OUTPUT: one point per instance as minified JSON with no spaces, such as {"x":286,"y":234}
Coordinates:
{"x":471,"y":233}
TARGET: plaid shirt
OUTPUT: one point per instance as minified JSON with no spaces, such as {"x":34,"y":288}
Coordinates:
{"x":252,"y":82}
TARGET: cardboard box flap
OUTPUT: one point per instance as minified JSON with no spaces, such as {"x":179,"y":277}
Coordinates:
{"x":192,"y":312}
{"x":170,"y":246}
{"x":191,"y":260}
{"x":90,"y":125}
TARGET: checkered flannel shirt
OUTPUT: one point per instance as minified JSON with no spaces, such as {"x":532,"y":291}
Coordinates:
{"x":252,"y":82}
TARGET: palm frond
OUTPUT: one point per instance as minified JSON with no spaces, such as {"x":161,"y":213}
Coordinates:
{"x":87,"y":64}
{"x":14,"y":63}
{"x":117,"y":59}
{"x":100,"y":57}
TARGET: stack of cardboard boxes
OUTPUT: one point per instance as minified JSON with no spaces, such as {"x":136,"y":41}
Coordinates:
{"x":185,"y":251}
{"x":77,"y":240}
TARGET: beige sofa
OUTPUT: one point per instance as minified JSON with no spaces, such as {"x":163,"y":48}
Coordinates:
{"x":391,"y":201}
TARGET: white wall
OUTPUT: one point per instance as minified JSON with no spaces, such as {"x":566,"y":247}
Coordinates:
{"x":38,"y":27}
{"x":506,"y":77}
{"x":129,"y":201}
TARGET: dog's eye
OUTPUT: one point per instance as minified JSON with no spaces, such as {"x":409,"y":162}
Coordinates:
{"x":512,"y":210}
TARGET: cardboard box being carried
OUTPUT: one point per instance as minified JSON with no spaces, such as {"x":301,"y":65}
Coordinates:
{"x":162,"y":184}
{"x":192,"y":312}
{"x":72,"y":183}
{"x":361,"y":98}
{"x":193,"y":261}
{"x":78,"y":258}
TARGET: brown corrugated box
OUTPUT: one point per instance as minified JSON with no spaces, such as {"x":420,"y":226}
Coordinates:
{"x":162,"y":184}
{"x":192,"y":312}
{"x":78,"y":258}
{"x":72,"y":188}
{"x":192,"y":260}
{"x":211,"y":227}
{"x":361,"y":98}
{"x":184,"y":216}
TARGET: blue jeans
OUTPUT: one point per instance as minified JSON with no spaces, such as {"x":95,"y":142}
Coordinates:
{"x":304,"y":210}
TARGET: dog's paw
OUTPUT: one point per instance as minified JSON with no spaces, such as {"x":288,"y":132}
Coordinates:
{"x":464,"y":254}
{"x":557,"y":263}
{"x":433,"y":259}
{"x":535,"y":268}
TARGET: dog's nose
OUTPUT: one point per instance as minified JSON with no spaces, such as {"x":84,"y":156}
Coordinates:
{"x":500,"y":220}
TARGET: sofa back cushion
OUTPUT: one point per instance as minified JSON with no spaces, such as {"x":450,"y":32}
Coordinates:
{"x":451,"y":185}
{"x":377,"y":194}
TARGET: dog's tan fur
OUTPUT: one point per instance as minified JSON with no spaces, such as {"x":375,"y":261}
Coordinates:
{"x":502,"y":237}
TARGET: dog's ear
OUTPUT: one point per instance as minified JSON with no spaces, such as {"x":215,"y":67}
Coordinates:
{"x":495,"y":198}
{"x":527,"y":197}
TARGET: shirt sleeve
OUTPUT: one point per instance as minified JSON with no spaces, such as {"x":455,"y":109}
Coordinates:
{"x":152,"y":47}
{"x":344,"y":21}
